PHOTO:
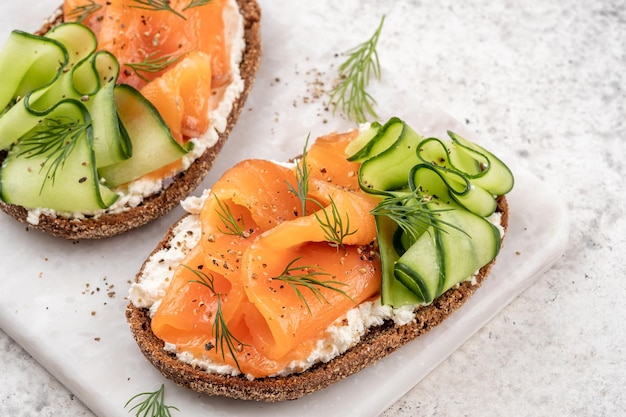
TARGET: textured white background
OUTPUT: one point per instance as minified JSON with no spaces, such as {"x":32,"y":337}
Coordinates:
{"x":544,"y":80}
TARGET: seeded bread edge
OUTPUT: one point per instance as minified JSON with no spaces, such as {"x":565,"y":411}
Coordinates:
{"x":377,"y":343}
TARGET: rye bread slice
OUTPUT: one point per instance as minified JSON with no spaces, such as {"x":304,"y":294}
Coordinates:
{"x":377,"y":343}
{"x":157,"y":205}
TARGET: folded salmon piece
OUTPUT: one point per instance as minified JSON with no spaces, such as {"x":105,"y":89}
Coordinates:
{"x":178,"y":56}
{"x":328,"y":162}
{"x":276,"y":279}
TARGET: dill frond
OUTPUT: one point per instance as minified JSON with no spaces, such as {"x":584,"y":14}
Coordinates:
{"x":306,"y":277}
{"x":224,"y":339}
{"x":157,"y":5}
{"x":55,"y":137}
{"x":196,"y":3}
{"x":152,"y":405}
{"x":153,"y":64}
{"x":80,"y":13}
{"x":350,"y":94}
{"x":334,"y":227}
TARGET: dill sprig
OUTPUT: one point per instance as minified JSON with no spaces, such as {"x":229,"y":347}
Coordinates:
{"x":410,"y":213}
{"x":196,"y":3}
{"x":55,"y":137}
{"x":354,"y":75}
{"x":301,"y":190}
{"x":306,"y":277}
{"x":156,"y":5}
{"x":164,"y":5}
{"x":153,"y":64}
{"x":223,"y":336}
{"x":228,"y":219}
{"x":80,"y":13}
{"x":334,"y":227}
{"x":153,"y":404}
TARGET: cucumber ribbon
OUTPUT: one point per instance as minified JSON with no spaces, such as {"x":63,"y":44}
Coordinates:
{"x":59,"y":122}
{"x":431,"y":220}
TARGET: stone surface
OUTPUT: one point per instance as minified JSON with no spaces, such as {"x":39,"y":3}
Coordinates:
{"x":546,"y":79}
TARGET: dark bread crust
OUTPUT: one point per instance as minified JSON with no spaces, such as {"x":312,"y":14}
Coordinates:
{"x":376,"y":344}
{"x":183,"y":184}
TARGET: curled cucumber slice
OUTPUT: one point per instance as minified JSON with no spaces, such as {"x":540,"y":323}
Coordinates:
{"x":494,"y":175}
{"x":451,"y":186}
{"x":450,"y":251}
{"x":64,"y":121}
{"x":431,"y":221}
{"x":149,"y":137}
{"x":53,"y":165}
{"x":393,"y":154}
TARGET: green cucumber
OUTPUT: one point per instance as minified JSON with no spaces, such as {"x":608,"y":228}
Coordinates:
{"x":466,"y":173}
{"x":77,"y":38}
{"x":18,"y":121}
{"x":437,"y":152}
{"x":392,"y":292}
{"x":415,"y":222}
{"x":39,"y":64}
{"x":401,"y":219}
{"x":451,"y":186}
{"x":53,"y":165}
{"x":355,"y":149}
{"x":388,"y":170}
{"x":431,"y":225}
{"x":67,"y":84}
{"x":447,"y":253}
{"x":98,"y":84}
{"x":80,"y":43}
{"x":479,"y":166}
{"x":381,"y":138}
{"x":494,"y":176}
{"x":90,"y":76}
{"x":427,"y":181}
{"x":74,"y":42}
{"x":149,"y":135}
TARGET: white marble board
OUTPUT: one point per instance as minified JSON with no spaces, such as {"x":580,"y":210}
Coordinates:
{"x":64,"y":301}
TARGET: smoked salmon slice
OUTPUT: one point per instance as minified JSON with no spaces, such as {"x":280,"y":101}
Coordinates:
{"x":180,"y":96}
{"x":282,"y":281}
{"x":177,"y":55}
{"x":290,"y":311}
{"x":328,"y":162}
{"x":138,"y":34}
{"x":258,"y":186}
{"x":348,"y":207}
{"x":183,"y":316}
